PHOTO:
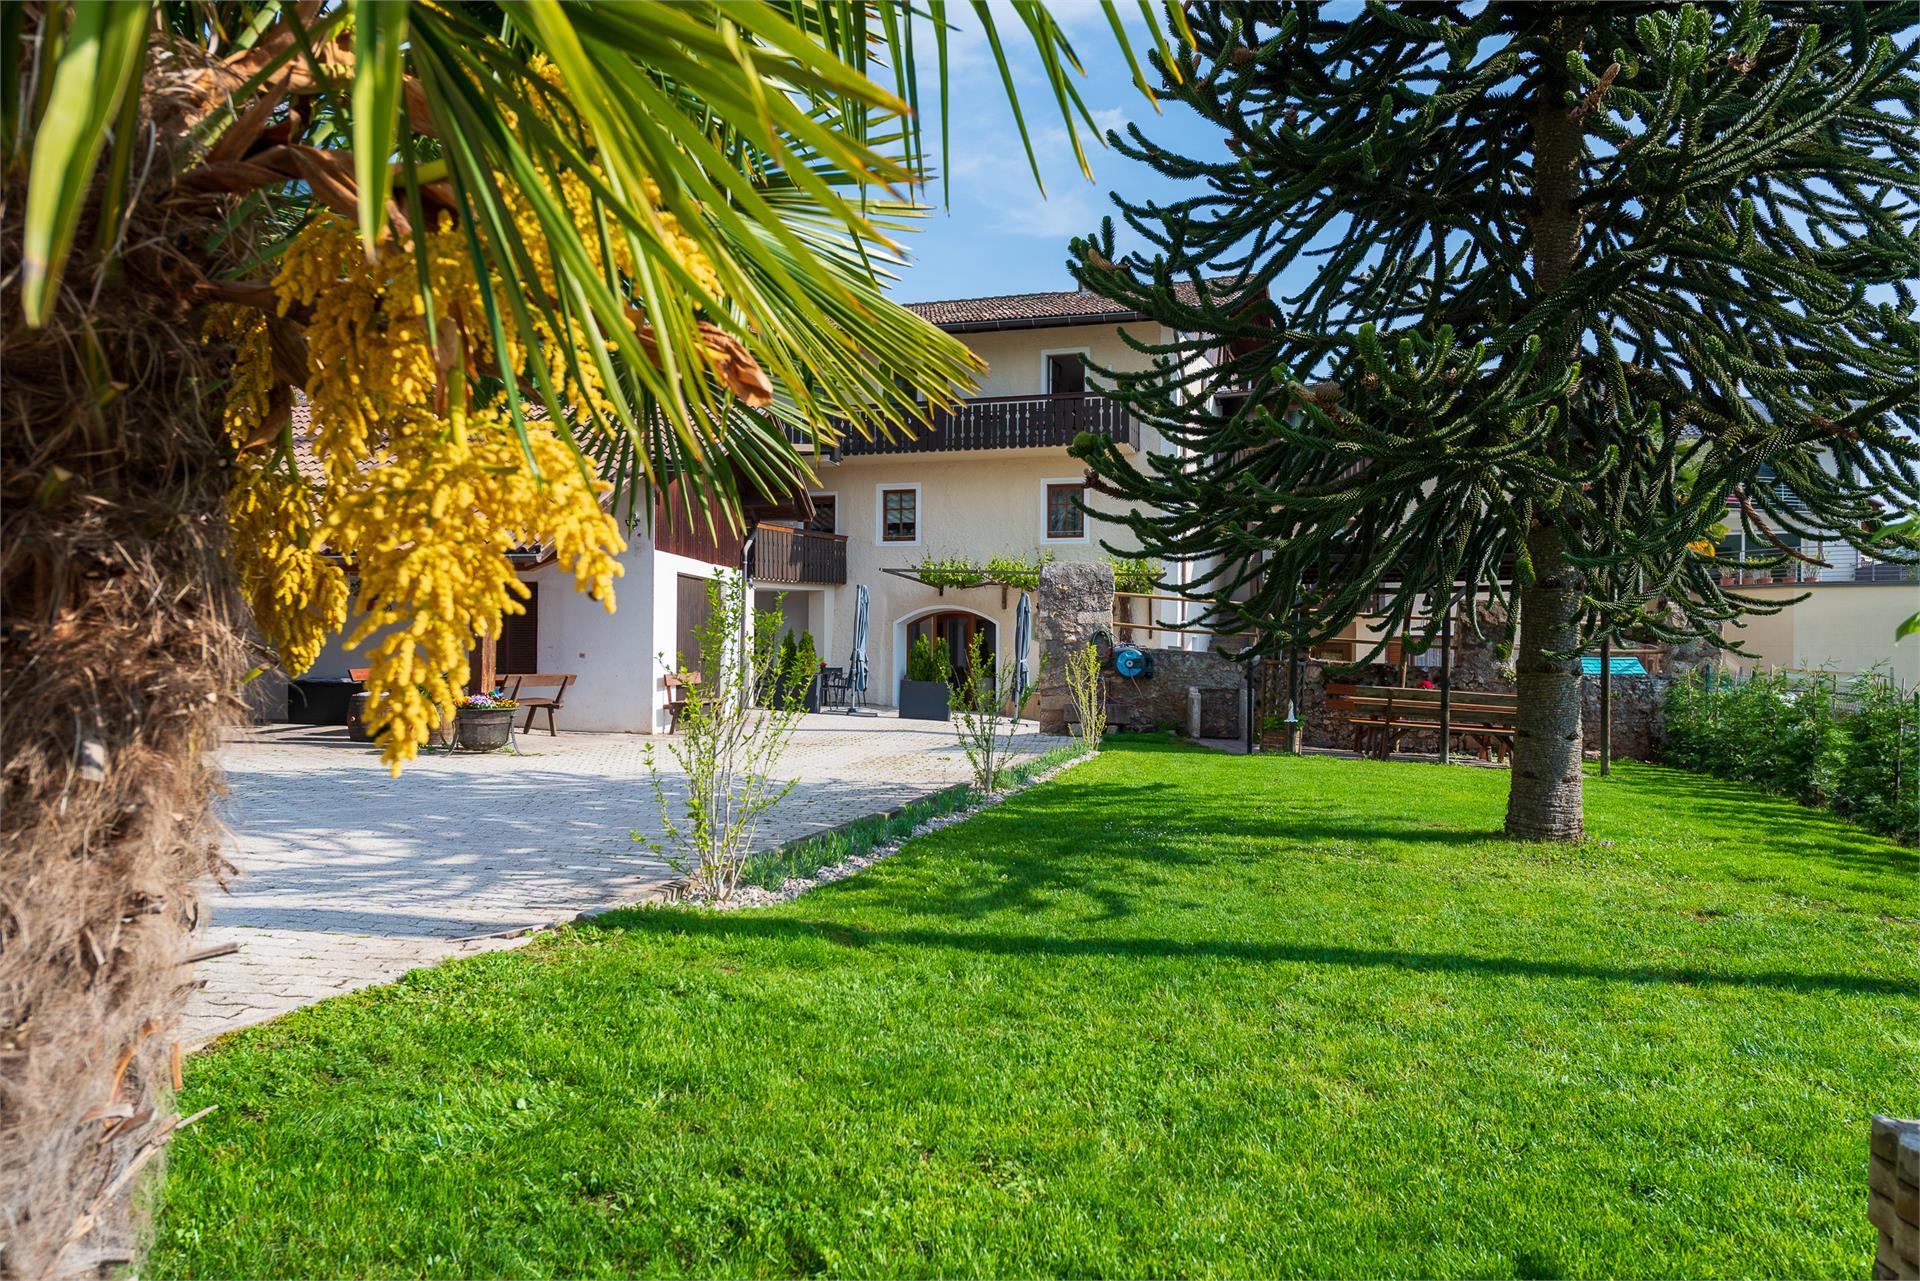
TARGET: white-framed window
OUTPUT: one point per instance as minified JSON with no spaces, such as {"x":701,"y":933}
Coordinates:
{"x":826,"y":514}
{"x":1063,"y":372}
{"x":1061,"y":519}
{"x":896,"y":513}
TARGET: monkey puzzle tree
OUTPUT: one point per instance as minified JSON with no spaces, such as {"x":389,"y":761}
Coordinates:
{"x":1525,"y":293}
{"x":664,"y":226}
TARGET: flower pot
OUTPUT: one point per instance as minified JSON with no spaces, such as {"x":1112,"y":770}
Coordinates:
{"x":483,"y":729}
{"x":923,"y":701}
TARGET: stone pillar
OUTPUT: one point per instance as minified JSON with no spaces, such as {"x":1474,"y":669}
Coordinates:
{"x":1893,"y":1198}
{"x":1074,"y":601}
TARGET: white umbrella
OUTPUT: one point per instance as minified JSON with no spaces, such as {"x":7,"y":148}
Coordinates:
{"x":1022,"y":639}
{"x":857,"y":665}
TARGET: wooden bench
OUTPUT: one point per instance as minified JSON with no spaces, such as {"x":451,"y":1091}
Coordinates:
{"x":559,"y":681}
{"x":1381,"y":715}
{"x":680,"y":687}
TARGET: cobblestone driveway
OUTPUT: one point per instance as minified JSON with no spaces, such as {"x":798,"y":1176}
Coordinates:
{"x":349,"y":877}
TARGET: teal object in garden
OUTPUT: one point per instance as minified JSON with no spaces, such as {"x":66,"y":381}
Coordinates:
{"x":1621,"y":667}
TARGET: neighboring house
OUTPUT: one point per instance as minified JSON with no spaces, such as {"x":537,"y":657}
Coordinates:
{"x":992,"y":478}
{"x":1853,"y":605}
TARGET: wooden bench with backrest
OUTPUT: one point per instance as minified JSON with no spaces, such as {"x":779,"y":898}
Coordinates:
{"x":1381,"y":715}
{"x":680,"y":687}
{"x":557,"y":681}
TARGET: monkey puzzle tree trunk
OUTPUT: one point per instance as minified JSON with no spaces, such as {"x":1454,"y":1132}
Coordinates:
{"x":1543,"y":801}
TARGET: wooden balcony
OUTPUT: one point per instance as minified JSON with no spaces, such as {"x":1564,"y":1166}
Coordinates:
{"x":1005,"y":422}
{"x":785,"y":555}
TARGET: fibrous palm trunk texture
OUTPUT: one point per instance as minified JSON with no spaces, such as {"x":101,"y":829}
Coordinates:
{"x":121,"y":660}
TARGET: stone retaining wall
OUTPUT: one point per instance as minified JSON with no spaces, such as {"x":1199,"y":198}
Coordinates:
{"x":1164,"y":700}
{"x":1893,"y":1198}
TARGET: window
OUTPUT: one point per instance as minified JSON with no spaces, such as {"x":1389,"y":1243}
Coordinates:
{"x":900,"y":515}
{"x":1066,"y":375}
{"x":826,"y":514}
{"x":1065,"y":519}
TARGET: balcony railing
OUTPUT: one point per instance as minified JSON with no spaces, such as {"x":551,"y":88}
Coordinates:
{"x":1799,"y":573}
{"x":1005,"y":422}
{"x":785,"y":555}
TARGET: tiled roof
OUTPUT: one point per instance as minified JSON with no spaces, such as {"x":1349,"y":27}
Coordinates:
{"x":1066,"y":306}
{"x":303,"y":456}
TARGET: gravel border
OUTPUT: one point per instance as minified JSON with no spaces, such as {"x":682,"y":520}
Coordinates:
{"x":750,"y":896}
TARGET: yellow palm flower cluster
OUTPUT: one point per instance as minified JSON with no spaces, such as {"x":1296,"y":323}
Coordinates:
{"x":430,"y":531}
{"x":298,"y":595}
{"x":424,"y":494}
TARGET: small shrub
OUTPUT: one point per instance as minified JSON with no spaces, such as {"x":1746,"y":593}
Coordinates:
{"x":986,"y":706}
{"x":1085,"y":688}
{"x":727,"y":748}
{"x":1855,"y":750}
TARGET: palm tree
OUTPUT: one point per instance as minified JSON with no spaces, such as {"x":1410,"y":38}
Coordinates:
{"x":509,"y":252}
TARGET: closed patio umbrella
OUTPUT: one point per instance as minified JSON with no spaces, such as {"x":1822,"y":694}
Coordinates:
{"x":857,"y":665}
{"x":1022,"y":639}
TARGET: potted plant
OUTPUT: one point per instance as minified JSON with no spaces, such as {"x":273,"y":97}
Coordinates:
{"x":484,"y":722}
{"x":923,"y":693}
{"x":806,"y":673}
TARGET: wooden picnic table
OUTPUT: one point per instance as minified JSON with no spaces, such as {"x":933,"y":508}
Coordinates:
{"x":1381,"y":715}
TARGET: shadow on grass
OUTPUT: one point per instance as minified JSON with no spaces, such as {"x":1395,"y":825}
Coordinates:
{"x":742,"y":926}
{"x":1739,"y":810}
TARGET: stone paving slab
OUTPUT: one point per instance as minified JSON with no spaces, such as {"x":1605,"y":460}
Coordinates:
{"x":349,"y":877}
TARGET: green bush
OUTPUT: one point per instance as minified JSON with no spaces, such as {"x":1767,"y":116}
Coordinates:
{"x":927,"y":660}
{"x":1853,"y":749}
{"x":806,"y":662}
{"x":788,"y":655}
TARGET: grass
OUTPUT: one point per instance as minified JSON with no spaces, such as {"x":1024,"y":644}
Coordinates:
{"x":1173,"y":1012}
{"x":771,"y":869}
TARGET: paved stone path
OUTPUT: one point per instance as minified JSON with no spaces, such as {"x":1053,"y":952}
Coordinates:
{"x":349,"y":877}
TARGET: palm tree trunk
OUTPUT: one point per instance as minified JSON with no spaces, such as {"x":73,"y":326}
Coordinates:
{"x":1543,"y":799}
{"x":121,"y":655}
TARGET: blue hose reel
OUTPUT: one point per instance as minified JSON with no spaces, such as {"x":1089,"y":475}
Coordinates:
{"x":1130,"y":662}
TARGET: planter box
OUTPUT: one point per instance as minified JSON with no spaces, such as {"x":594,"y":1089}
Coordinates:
{"x":483,"y":730}
{"x":357,"y":718}
{"x":924,"y":701}
{"x":809,"y":699}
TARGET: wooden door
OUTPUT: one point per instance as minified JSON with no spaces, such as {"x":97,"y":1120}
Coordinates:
{"x":692,"y":611}
{"x":516,"y":651}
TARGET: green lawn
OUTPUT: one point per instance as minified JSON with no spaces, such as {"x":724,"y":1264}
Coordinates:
{"x":1173,"y":1012}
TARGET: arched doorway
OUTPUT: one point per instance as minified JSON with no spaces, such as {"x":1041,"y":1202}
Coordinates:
{"x":953,"y":629}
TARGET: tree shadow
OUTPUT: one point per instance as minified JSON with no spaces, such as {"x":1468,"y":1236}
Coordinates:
{"x":1740,"y":812}
{"x":738,"y":926}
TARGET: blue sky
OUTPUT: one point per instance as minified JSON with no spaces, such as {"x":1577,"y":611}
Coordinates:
{"x":997,"y":234}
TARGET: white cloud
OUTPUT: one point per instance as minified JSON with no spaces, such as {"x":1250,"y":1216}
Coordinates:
{"x":1062,"y":215}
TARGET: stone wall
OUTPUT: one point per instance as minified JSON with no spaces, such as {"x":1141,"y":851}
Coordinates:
{"x":1164,"y":701}
{"x":1893,"y":1198}
{"x":1074,"y":600}
{"x":1639,"y":731}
